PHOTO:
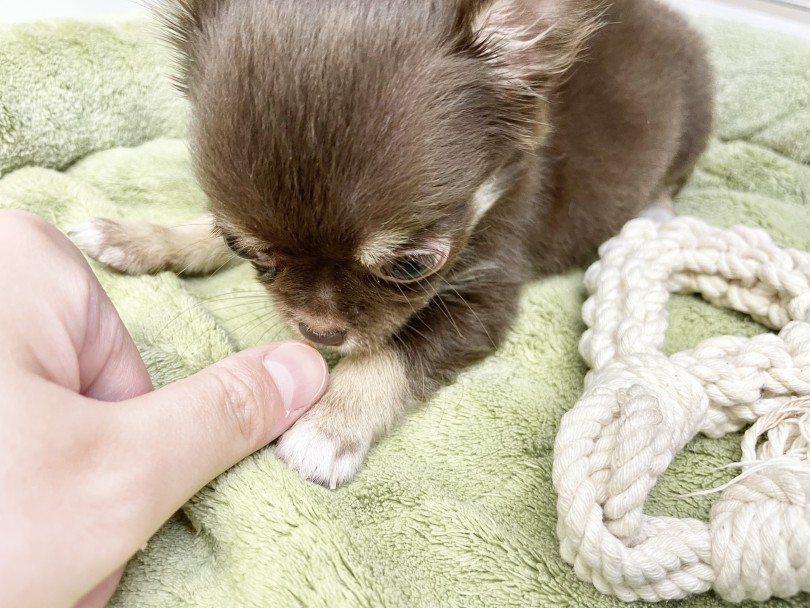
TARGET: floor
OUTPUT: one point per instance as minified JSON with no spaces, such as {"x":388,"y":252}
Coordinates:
{"x":783,"y":15}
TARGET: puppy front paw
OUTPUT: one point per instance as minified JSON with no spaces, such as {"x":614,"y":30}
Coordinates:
{"x":316,"y":456}
{"x":134,"y":248}
{"x":366,"y":395}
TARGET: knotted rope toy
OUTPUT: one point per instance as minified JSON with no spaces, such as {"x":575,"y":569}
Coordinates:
{"x":640,"y":408}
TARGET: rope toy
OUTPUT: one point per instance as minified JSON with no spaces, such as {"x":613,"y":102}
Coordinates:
{"x":640,"y":408}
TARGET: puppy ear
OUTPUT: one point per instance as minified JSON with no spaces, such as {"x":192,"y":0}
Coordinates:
{"x":532,"y":43}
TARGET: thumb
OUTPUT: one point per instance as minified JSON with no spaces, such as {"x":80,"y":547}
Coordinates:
{"x":182,"y":436}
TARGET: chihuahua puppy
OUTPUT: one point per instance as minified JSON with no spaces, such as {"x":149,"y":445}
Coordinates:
{"x":396,"y":171}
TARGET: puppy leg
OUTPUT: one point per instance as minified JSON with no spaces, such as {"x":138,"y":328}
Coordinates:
{"x":367,"y":394}
{"x":143,"y":248}
{"x":662,"y":209}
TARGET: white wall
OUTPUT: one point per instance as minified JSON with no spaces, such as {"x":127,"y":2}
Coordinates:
{"x":29,"y":10}
{"x":779,"y":15}
{"x":771,"y":14}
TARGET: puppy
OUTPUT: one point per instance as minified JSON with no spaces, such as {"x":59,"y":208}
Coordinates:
{"x":396,"y":171}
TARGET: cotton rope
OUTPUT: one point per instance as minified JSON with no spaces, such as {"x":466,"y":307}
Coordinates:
{"x":639,"y":408}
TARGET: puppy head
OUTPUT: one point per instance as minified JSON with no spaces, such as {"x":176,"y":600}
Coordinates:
{"x":349,"y":149}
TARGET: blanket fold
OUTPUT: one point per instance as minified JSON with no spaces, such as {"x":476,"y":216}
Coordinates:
{"x":456,"y":506}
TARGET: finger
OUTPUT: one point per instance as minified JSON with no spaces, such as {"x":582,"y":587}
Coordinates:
{"x":111,"y":368}
{"x":99,"y":596}
{"x":77,"y":340}
{"x":44,"y":320}
{"x":185,"y":434}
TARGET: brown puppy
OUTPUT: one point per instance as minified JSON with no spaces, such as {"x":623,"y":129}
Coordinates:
{"x":396,"y":170}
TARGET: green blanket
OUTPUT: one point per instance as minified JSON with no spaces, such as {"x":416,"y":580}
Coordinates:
{"x":456,"y":506}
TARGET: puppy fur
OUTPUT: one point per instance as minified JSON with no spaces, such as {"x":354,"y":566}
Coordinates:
{"x":500,"y":140}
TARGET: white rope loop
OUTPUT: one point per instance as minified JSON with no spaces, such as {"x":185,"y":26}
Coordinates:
{"x":640,"y":408}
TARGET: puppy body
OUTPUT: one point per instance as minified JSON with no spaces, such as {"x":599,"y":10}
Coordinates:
{"x":396,"y":171}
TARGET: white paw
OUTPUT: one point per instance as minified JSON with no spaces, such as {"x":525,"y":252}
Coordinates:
{"x":316,"y":457}
{"x":90,"y":238}
{"x":111,"y":243}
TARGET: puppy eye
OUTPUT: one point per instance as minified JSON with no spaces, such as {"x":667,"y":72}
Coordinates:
{"x":266,"y":273}
{"x":412,"y":267}
{"x":234,"y":246}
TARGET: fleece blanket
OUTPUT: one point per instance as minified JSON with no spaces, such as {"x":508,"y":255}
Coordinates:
{"x":456,"y":506}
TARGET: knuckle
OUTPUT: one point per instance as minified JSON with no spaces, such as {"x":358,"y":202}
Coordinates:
{"x":22,"y":224}
{"x":242,"y":403}
{"x":24,"y":231}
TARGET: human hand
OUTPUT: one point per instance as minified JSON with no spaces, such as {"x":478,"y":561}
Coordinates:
{"x":86,"y":482}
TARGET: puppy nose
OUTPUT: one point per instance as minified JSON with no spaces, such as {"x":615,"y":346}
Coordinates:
{"x":329,"y":338}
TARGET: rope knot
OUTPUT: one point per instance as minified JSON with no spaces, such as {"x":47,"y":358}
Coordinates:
{"x":639,"y":408}
{"x":760,"y":530}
